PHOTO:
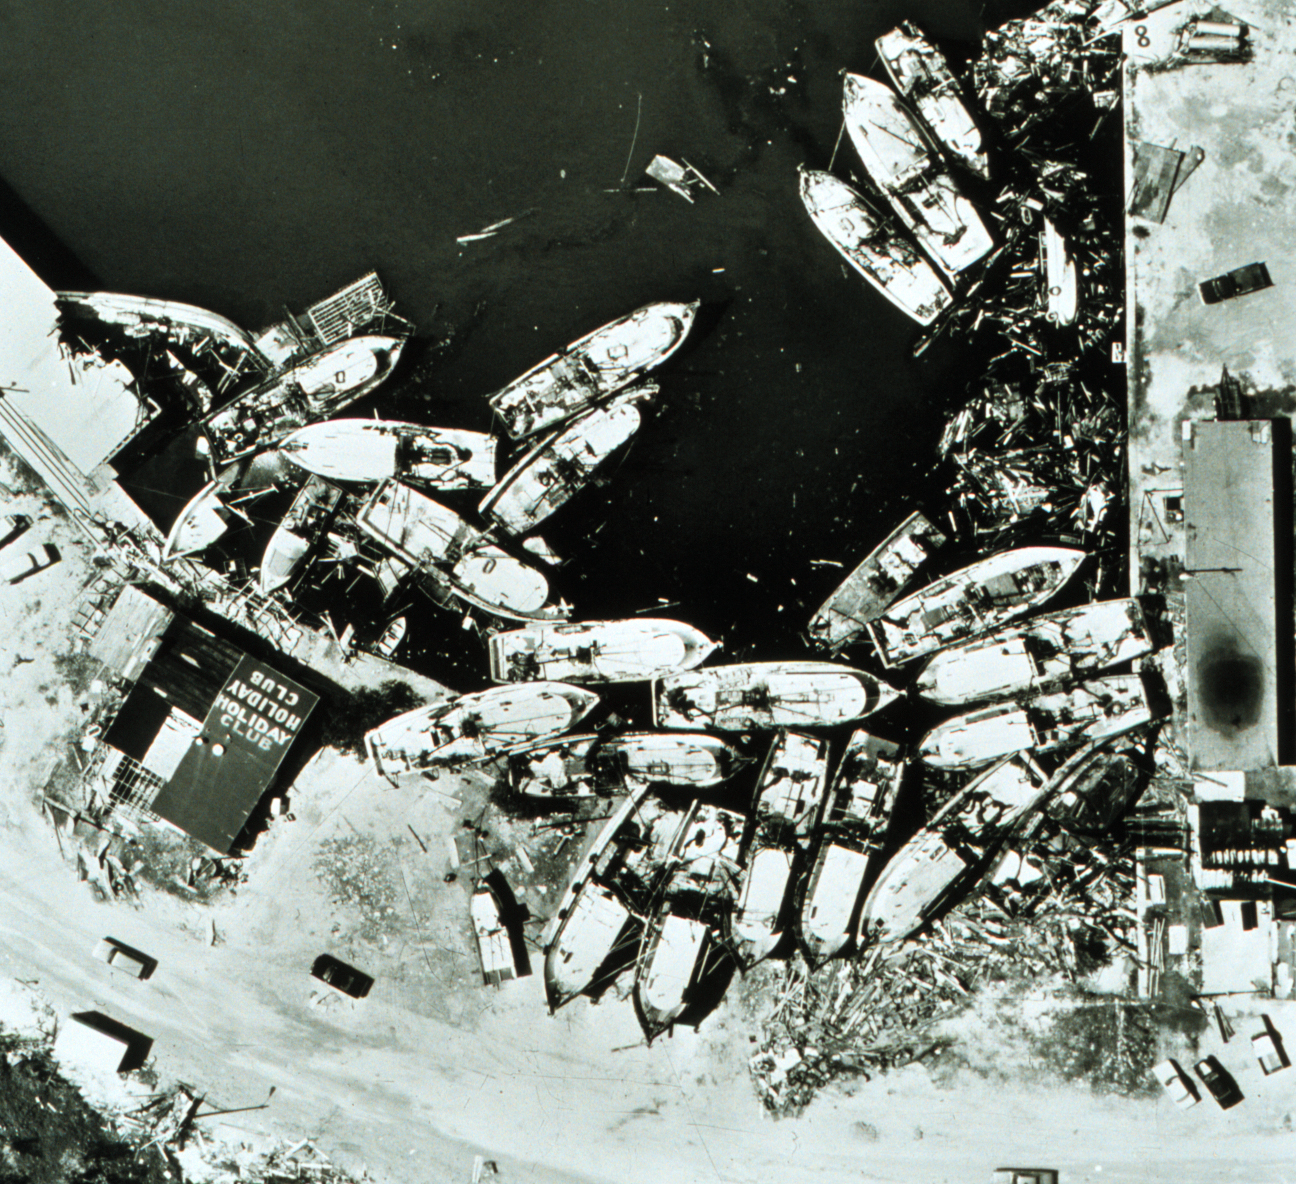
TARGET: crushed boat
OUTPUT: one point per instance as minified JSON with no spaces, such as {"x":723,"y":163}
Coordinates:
{"x":219,"y":504}
{"x":767,"y":695}
{"x":882,"y":575}
{"x":1061,"y":282}
{"x":952,"y":849}
{"x":475,"y":727}
{"x":1099,"y":708}
{"x":598,"y":651}
{"x":919,"y":72}
{"x":308,"y":516}
{"x":851,"y":831}
{"x":593,"y":368}
{"x":1041,"y":653}
{"x":371,"y":450}
{"x":869,"y":244}
{"x":971,"y":601}
{"x":430,"y":536}
{"x":559,"y":467}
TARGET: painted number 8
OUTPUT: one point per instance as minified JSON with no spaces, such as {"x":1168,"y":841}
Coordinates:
{"x":1140,"y":37}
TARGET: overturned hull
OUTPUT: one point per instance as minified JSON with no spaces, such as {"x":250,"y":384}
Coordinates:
{"x":372,"y":450}
{"x":596,"y":923}
{"x":880,"y":577}
{"x":768,"y":695}
{"x":1039,"y":654}
{"x":871,"y":247}
{"x":971,"y":601}
{"x":593,"y":368}
{"x":475,"y":727}
{"x":639,"y":648}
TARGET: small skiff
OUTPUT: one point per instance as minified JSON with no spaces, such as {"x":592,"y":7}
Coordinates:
{"x":634,"y":649}
{"x":1061,"y":282}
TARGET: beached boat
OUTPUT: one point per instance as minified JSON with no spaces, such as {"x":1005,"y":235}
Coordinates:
{"x":591,"y":369}
{"x":220,"y":503}
{"x":755,"y":926}
{"x":310,"y":513}
{"x":475,"y":727}
{"x":428,"y":535}
{"x":767,"y":695}
{"x":1061,"y":282}
{"x":870,"y":244}
{"x":852,"y":829}
{"x":920,"y":73}
{"x":950,"y":852}
{"x":309,"y":389}
{"x":973,"y":600}
{"x":902,"y":163}
{"x":882,"y":575}
{"x":1093,"y":710}
{"x":669,"y":967}
{"x":371,"y":450}
{"x":558,"y":467}
{"x":1039,"y":654}
{"x":598,"y":651}
{"x":592,"y":931}
{"x":493,"y":945}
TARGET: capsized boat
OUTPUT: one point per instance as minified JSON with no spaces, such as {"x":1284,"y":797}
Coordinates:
{"x":882,"y":575}
{"x":309,"y":389}
{"x":598,"y":651}
{"x":1099,"y":708}
{"x":872,"y":247}
{"x":941,"y":858}
{"x":558,"y":467}
{"x":475,"y":727}
{"x":371,"y":450}
{"x":1043,"y":652}
{"x":918,"y":70}
{"x":1061,"y":283}
{"x":767,"y":695}
{"x":852,"y":829}
{"x":897,"y":156}
{"x":219,"y":504}
{"x":428,"y":535}
{"x":971,"y":601}
{"x":311,"y":511}
{"x":591,"y":369}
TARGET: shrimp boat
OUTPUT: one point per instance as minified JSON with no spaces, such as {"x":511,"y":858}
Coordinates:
{"x":591,"y":369}
{"x":312,"y":388}
{"x":749,"y":695}
{"x":1093,"y":710}
{"x":902,"y":164}
{"x":598,"y":651}
{"x":559,"y":466}
{"x":1044,"y":652}
{"x":429,"y":536}
{"x":852,"y":828}
{"x":864,"y":594}
{"x":788,"y":799}
{"x":941,"y":859}
{"x":869,"y":244}
{"x":308,"y":516}
{"x":1061,"y":283}
{"x":971,"y":601}
{"x":918,"y":70}
{"x":598,"y":766}
{"x":371,"y":450}
{"x":475,"y":727}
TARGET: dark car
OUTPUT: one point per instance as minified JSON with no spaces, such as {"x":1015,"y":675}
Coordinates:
{"x":1219,"y":1081}
{"x":346,"y":979}
{"x":1242,"y":280}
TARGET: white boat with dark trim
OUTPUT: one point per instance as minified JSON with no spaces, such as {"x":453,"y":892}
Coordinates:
{"x":1061,"y":281}
{"x":767,"y":695}
{"x":971,"y":601}
{"x":870,"y":244}
{"x":311,"y":511}
{"x":1039,"y":654}
{"x":475,"y":727}
{"x":596,"y":925}
{"x":918,"y":70}
{"x":637,"y":648}
{"x":880,"y":577}
{"x":901,"y":162}
{"x":560,"y":466}
{"x":371,"y":450}
{"x":592,"y":368}
{"x":851,"y":831}
{"x":1041,"y":723}
{"x":792,"y":783}
{"x":220,"y":503}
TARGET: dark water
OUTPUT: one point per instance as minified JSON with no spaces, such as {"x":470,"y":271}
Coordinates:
{"x":247,"y":156}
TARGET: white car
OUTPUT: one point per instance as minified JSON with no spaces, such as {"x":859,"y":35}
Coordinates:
{"x":126,"y":958}
{"x":1268,"y":1053}
{"x":1177,"y":1084}
{"x":25,"y":563}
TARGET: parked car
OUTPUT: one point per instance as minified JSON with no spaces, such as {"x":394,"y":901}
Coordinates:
{"x":1219,"y":1081}
{"x":1177,"y":1084}
{"x":123,"y":957}
{"x":1239,"y":282}
{"x":24,"y":564}
{"x":344,"y":978}
{"x":11,"y":526}
{"x":1025,"y":1176}
{"x":1268,"y":1052}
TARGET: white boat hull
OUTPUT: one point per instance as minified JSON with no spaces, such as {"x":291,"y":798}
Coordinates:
{"x":598,"y":651}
